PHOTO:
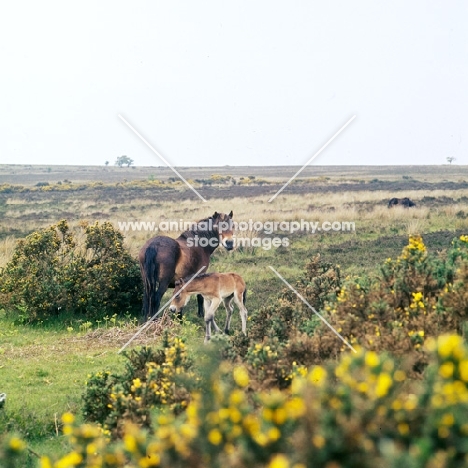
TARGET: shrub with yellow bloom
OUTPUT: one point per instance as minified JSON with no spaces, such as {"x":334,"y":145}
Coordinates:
{"x":362,"y":407}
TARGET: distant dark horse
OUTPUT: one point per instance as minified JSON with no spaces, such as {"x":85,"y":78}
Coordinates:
{"x":405,"y":202}
{"x":164,"y":260}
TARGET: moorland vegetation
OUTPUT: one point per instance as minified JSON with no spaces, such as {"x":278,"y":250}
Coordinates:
{"x":289,"y":394}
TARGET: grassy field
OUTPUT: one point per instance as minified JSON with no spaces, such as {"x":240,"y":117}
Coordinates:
{"x":43,"y":367}
{"x":30,"y":175}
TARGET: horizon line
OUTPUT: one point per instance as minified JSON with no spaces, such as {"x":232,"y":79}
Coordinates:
{"x":227,"y":165}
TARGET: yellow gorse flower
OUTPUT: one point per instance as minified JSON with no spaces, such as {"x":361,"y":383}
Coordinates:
{"x":317,"y":375}
{"x":372,"y":359}
{"x":68,"y":418}
{"x":384,"y":382}
{"x":279,"y":461}
{"x":416,"y":243}
{"x":241,"y":376}
{"x":17,"y":445}
{"x":446,"y":370}
{"x":69,"y":460}
{"x":215,"y":437}
{"x":45,"y":462}
{"x":446,"y":345}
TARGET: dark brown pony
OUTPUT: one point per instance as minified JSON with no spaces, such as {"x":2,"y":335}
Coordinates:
{"x":404,"y":202}
{"x":164,"y":260}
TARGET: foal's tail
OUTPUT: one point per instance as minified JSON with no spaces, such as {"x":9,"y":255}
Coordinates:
{"x":149,"y":274}
{"x":244,"y":296}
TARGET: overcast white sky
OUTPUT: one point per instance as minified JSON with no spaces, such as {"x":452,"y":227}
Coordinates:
{"x":240,"y":83}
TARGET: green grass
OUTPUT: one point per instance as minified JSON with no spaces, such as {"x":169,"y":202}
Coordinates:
{"x":43,"y":370}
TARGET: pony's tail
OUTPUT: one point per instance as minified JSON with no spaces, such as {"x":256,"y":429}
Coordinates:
{"x":244,"y":296}
{"x":149,"y":275}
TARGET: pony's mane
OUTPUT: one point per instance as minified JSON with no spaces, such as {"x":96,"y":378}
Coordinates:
{"x":200,"y":276}
{"x":190,"y":233}
{"x":204,"y":275}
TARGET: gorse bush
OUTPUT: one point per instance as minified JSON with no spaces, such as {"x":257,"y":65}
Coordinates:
{"x":280,"y":334}
{"x":358,"y":412}
{"x":51,"y":272}
{"x":288,"y":315}
{"x":12,"y":452}
{"x":417,"y":296}
{"x":153,"y":378}
{"x":29,"y":282}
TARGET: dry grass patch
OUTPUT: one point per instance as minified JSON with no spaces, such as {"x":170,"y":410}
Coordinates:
{"x":120,"y":335}
{"x":7,"y":247}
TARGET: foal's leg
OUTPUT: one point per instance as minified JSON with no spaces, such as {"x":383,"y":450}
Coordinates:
{"x":207,"y":304}
{"x":242,"y":310}
{"x":229,"y":308}
{"x":206,"y":307}
{"x":209,"y":318}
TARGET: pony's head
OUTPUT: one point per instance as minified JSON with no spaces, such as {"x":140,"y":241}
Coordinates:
{"x":180,"y":297}
{"x":223,"y":222}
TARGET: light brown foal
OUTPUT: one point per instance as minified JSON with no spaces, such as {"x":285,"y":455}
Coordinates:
{"x":215,"y":288}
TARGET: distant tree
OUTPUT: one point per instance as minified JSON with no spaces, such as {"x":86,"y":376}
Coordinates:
{"x":450,"y":159}
{"x":107,"y":163}
{"x":124,"y":161}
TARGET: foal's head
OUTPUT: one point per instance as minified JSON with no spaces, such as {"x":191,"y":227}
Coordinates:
{"x":223,"y":223}
{"x":180,"y":297}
